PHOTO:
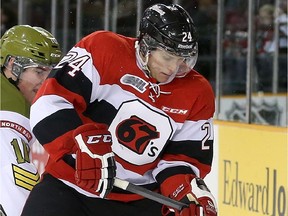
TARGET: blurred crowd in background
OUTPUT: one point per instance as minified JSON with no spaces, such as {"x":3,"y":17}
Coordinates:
{"x":204,"y":13}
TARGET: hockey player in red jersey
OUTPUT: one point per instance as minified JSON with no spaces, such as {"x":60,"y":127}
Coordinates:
{"x":131,"y":108}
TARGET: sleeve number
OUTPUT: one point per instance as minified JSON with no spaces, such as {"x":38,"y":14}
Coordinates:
{"x":21,"y":157}
{"x":77,"y":64}
{"x":207,"y":128}
{"x":74,"y":62}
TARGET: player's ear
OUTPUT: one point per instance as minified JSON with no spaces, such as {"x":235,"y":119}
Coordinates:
{"x":9,"y":62}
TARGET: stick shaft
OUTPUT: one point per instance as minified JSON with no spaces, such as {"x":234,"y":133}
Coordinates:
{"x":127,"y":186}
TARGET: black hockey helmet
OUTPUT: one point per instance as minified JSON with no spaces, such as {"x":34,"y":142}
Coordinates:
{"x":169,"y":27}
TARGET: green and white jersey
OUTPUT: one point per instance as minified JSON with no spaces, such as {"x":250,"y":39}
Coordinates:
{"x":17,"y":173}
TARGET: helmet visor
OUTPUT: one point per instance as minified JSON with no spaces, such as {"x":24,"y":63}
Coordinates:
{"x":183,"y":64}
{"x":187,"y":65}
{"x":28,"y":63}
{"x":21,"y":63}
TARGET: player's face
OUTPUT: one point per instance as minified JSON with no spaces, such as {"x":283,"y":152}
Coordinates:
{"x":163,"y":65}
{"x":31,"y":80}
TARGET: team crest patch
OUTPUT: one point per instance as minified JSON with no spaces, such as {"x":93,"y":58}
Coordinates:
{"x":136,"y":82}
{"x":140,"y":131}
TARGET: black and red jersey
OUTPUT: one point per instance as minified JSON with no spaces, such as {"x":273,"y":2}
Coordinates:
{"x":156,"y":128}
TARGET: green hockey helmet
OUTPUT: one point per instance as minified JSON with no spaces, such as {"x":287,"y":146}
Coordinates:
{"x":31,"y":47}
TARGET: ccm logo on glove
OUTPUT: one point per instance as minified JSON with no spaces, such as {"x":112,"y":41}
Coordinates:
{"x":178,"y":190}
{"x":106,"y":138}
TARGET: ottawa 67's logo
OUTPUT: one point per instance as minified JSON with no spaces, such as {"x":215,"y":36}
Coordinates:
{"x":136,"y":134}
{"x":140,"y":132}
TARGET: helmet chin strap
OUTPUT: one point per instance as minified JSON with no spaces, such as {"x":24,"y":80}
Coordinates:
{"x":155,"y":87}
{"x":12,"y":81}
{"x":140,"y":61}
{"x":144,"y":66}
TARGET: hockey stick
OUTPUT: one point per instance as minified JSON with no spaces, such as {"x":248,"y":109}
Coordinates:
{"x":127,"y":186}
